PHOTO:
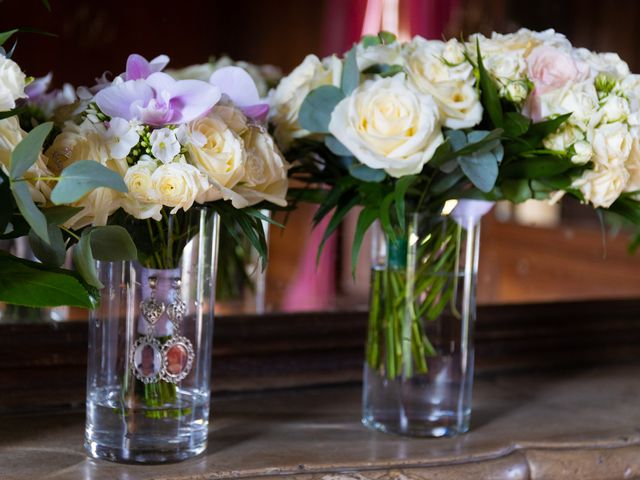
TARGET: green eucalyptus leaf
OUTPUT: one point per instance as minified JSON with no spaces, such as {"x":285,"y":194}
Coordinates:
{"x":350,"y":73}
{"x":83,"y":176}
{"x":27,"y":151}
{"x":29,"y":210}
{"x":489,"y":92}
{"x":367,"y":174}
{"x":446,"y":182}
{"x":6,"y":201}
{"x":367,"y":216}
{"x":84,"y":262}
{"x":385,"y":216}
{"x":337,"y":148}
{"x":457,"y":139}
{"x":481,"y":169}
{"x":59,"y":214}
{"x":53,"y":253}
{"x":31,"y":284}
{"x":112,"y":243}
{"x":317,"y":107}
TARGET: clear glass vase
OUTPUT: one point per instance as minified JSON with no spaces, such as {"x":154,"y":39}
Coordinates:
{"x":418,"y":372}
{"x":149,"y":363}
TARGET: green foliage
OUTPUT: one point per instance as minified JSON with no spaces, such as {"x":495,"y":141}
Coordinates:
{"x":27,"y":151}
{"x":336,"y":147}
{"x":53,"y":253}
{"x":81,"y":177}
{"x":489,"y":92}
{"x":4,"y":36}
{"x":384,"y":70}
{"x":29,"y":210}
{"x":34,"y":285}
{"x":365,"y":173}
{"x":350,"y":73}
{"x":316,"y":109}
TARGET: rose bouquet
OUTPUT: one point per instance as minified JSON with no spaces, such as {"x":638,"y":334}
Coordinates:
{"x":421,"y":136}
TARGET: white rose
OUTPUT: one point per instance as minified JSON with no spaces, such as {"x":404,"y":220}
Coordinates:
{"x":232,"y":116}
{"x":217,"y":151}
{"x":515,"y":91}
{"x":583,"y":152}
{"x":452,"y":86}
{"x":603,"y":185}
{"x":562,"y":139}
{"x":580,"y":100}
{"x":287,"y":98}
{"x":142,"y":199}
{"x":386,"y":124}
{"x":96,"y":206}
{"x":633,"y":167}
{"x":82,"y":142}
{"x":508,"y":66}
{"x":390,"y":54}
{"x":12,"y":82}
{"x":178,"y":184}
{"x":164,"y":144}
{"x":609,"y":63}
{"x":615,"y":109}
{"x":612,"y":144}
{"x":266,"y":171}
{"x":11,"y":134}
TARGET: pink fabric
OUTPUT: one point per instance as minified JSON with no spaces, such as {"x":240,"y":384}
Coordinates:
{"x":314,"y":288}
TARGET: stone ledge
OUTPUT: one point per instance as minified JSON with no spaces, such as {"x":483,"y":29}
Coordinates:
{"x":574,"y":424}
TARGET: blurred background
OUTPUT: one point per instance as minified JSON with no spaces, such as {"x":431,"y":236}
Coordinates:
{"x":530,"y":253}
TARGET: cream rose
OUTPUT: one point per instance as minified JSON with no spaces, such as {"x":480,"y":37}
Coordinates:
{"x":142,"y":200}
{"x":292,"y":90}
{"x":11,"y":134}
{"x":178,"y":184}
{"x":633,"y":167}
{"x":387,"y":124}
{"x":85,"y":142}
{"x":451,"y":85}
{"x":232,"y":116}
{"x":217,"y":151}
{"x":266,"y":171}
{"x":12,"y":83}
{"x":612,"y":144}
{"x":602,"y":186}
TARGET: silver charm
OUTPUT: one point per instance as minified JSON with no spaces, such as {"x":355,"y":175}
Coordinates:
{"x":146,"y":359}
{"x":177,"y":308}
{"x":150,"y":308}
{"x":177,"y":359}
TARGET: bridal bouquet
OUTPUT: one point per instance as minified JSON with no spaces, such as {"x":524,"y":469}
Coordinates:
{"x":441,"y":128}
{"x":33,"y":203}
{"x":176,"y":144}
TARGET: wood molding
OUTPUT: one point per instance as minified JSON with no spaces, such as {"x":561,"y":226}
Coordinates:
{"x":44,"y":364}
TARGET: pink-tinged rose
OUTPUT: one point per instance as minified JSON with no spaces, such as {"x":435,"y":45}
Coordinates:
{"x":550,"y":68}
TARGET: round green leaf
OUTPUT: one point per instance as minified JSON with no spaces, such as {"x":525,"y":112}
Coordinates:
{"x":317,"y":107}
{"x":81,"y":177}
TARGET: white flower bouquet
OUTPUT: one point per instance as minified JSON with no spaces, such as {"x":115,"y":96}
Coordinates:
{"x":402,"y":128}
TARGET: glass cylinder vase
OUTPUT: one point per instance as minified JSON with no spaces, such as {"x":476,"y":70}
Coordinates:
{"x":418,"y":372}
{"x":150,"y":341}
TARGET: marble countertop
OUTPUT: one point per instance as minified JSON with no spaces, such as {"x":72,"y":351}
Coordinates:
{"x":574,"y":424}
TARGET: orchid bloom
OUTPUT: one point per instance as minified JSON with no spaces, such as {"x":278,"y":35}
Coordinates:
{"x":139,"y":67}
{"x":158,"y":100}
{"x":238,"y":85}
{"x":38,"y":87}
